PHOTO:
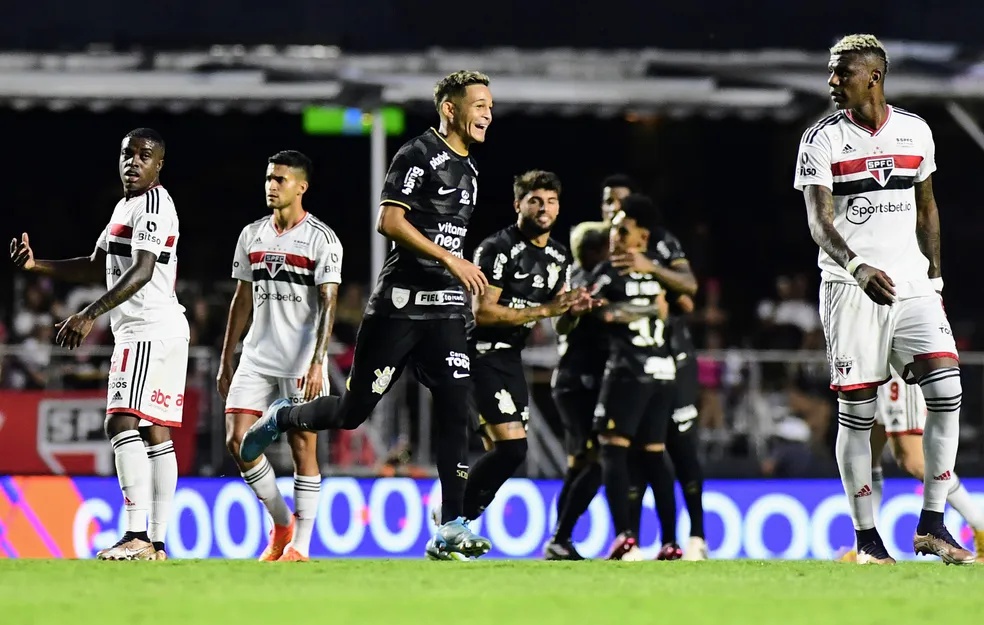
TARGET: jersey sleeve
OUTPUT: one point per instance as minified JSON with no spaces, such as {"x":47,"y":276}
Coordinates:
{"x":928,"y":165}
{"x":405,"y":178}
{"x":103,"y":241}
{"x":668,"y":250}
{"x":153,"y":225}
{"x":491,"y":256}
{"x":328,"y":265}
{"x":813,"y":161}
{"x":242,"y":268}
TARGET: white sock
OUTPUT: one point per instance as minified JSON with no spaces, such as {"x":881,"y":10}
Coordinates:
{"x":877,"y":488}
{"x":164,"y":480}
{"x":133,"y":471}
{"x":961,"y":501}
{"x":853,"y":450}
{"x":941,"y":436}
{"x":263,"y":481}
{"x":307,"y":490}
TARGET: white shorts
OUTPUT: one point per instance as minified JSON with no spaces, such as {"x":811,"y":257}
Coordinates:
{"x":864,"y":339}
{"x":901,"y":407}
{"x":252,"y":392}
{"x":147,"y":379}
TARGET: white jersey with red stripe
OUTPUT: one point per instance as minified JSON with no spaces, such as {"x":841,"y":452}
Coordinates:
{"x":146,"y":222}
{"x":286,"y":269}
{"x":871,"y":173}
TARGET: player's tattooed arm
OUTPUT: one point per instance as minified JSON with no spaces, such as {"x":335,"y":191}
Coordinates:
{"x":132,"y":280}
{"x":488,"y":311}
{"x":820,"y":216}
{"x":627,"y":312}
{"x":928,"y":225}
{"x":328,"y":303}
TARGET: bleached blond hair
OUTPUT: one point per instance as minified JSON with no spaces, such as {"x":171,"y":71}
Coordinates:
{"x":453,"y":86}
{"x":861,"y":44}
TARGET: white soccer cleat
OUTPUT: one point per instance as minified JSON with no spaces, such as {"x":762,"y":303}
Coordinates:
{"x":696,"y":549}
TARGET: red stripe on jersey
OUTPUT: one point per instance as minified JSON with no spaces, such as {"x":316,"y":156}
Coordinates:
{"x":169,"y":242}
{"x":119,"y":230}
{"x":294,"y":260}
{"x":858,"y":165}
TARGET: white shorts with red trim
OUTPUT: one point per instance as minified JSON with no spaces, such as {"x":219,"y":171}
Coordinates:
{"x":147,"y":379}
{"x":864,"y":340}
{"x":901,"y":407}
{"x":252,"y":392}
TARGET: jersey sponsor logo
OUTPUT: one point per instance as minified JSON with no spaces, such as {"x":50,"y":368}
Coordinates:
{"x":439,"y":160}
{"x":383,"y":378}
{"x":161,"y":398}
{"x":451,"y":238}
{"x":517,"y":250}
{"x":263,"y":296}
{"x":400,"y":297}
{"x":457,"y":359}
{"x":465,"y":197}
{"x":439,"y":298}
{"x":274,"y":262}
{"x":506,"y":403}
{"x":880,"y":168}
{"x":556,"y":254}
{"x":145,"y":236}
{"x":410,"y":180}
{"x":538,"y":282}
{"x":498,"y":266}
{"x":647,"y":288}
{"x":860,"y":209}
{"x":806,"y":168}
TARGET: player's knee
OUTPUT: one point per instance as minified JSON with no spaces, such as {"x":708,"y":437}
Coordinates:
{"x":513,"y":451}
{"x":119,"y":422}
{"x":155,"y":434}
{"x":233,"y":440}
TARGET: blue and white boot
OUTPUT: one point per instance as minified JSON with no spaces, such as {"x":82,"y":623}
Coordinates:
{"x":454,"y":541}
{"x":262,"y":433}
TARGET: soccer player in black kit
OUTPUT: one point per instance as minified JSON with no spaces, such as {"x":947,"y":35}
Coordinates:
{"x":529,"y":276}
{"x":418,"y":310}
{"x":637,"y":394}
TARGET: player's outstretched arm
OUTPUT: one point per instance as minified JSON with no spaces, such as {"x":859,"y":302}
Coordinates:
{"x":240,"y":310}
{"x":392,"y":223}
{"x":928,"y":226}
{"x":83,"y":269}
{"x":327,"y":304}
{"x":489,"y":312}
{"x":627,"y":312}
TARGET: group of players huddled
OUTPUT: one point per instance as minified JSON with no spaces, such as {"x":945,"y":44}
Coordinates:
{"x":626,"y":382}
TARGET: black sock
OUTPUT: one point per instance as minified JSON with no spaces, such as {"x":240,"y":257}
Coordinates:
{"x":637,"y":488}
{"x":683,"y":451}
{"x":489,"y":474}
{"x":582,"y":491}
{"x":318,"y":414}
{"x":615,"y":474}
{"x":661,"y":479}
{"x":929,"y":521}
{"x":866,"y":537}
{"x":141,"y":535}
{"x":158,"y":545}
{"x":565,"y":489}
{"x":693,"y":496}
{"x":451,"y":418}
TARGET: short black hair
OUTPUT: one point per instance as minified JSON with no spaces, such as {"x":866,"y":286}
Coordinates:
{"x":148,"y":134}
{"x":643,"y":210}
{"x":620,"y":180}
{"x":294,"y":160}
{"x":533,"y":180}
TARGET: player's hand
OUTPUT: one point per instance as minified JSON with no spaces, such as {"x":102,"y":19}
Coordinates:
{"x":468,"y":274}
{"x":662,"y":306}
{"x":585,"y":304}
{"x":224,"y":379}
{"x":73,"y":330}
{"x":876,"y":284}
{"x":313,"y":381}
{"x":633,"y":262}
{"x":563,"y":301}
{"x":21,"y":253}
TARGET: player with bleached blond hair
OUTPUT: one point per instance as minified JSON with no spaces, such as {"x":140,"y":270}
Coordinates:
{"x":866,"y":174}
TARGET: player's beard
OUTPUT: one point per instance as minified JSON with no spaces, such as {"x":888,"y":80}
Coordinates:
{"x":532,"y":229}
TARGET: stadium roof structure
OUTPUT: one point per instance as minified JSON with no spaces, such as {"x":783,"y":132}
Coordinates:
{"x":780,"y":83}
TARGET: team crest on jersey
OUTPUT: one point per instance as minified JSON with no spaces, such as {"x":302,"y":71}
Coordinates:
{"x":506,"y":403}
{"x":400,"y":297}
{"x":881,"y":169}
{"x":274,"y":262}
{"x":553,"y":274}
{"x":383,"y":378}
{"x":843,"y":365}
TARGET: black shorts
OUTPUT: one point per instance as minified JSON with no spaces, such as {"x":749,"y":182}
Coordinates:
{"x":686,"y":389}
{"x":501,"y":393}
{"x":436,"y":348}
{"x":638,"y":410}
{"x":576,"y":398}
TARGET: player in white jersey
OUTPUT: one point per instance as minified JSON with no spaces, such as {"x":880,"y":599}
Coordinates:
{"x":136,"y":253}
{"x":900,"y":419}
{"x":288,"y":267}
{"x":866,"y":174}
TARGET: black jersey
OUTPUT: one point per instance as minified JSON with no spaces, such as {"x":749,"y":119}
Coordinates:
{"x":640,"y":348}
{"x":528,"y":276}
{"x":584,"y":350}
{"x":439,"y":188}
{"x":666,"y":250}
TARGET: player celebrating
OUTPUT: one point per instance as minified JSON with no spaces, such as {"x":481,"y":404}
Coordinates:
{"x":288,"y":268}
{"x":900,"y":419}
{"x":636,"y":398}
{"x":136,"y":253}
{"x":418,"y":309}
{"x":529,"y":275}
{"x":866,"y":175}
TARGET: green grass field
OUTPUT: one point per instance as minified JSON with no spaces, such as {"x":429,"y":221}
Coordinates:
{"x":500,"y":592}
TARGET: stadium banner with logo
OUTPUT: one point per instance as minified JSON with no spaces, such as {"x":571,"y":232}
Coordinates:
{"x":61,"y":433}
{"x":62,"y":517}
